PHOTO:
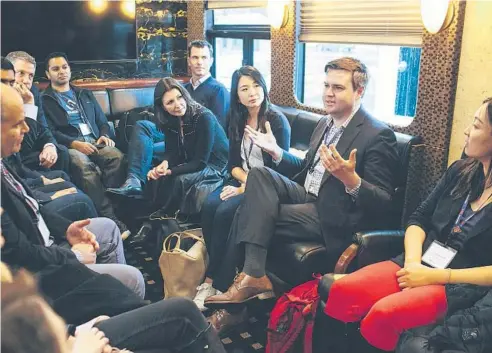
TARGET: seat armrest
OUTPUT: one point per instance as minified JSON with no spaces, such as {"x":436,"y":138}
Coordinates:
{"x":376,"y":238}
{"x":378,"y":246}
{"x":370,"y":247}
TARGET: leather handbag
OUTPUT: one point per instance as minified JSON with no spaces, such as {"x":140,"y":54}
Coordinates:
{"x":183,"y":270}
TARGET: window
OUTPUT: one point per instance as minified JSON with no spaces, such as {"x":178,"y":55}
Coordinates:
{"x":393,"y":70}
{"x":240,"y":37}
{"x":228,"y":57}
{"x":251,"y":16}
{"x":262,"y":58}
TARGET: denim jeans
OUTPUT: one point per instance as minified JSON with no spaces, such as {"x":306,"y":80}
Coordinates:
{"x":217,"y":217}
{"x":146,"y":145}
{"x":73,"y":206}
{"x":173,"y":324}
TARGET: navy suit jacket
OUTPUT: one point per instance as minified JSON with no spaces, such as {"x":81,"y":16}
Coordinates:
{"x":377,"y":165}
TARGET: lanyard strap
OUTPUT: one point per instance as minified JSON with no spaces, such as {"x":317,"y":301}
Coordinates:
{"x":248,"y":154}
{"x":459,"y":222}
{"x":327,"y":143}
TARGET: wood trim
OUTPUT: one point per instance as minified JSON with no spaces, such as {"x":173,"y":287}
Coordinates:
{"x":117,"y":84}
{"x":346,"y":259}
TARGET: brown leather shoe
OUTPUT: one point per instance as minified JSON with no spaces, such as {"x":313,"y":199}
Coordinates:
{"x":223,"y":321}
{"x":242,"y":290}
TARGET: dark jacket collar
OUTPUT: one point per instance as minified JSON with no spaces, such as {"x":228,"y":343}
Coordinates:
{"x":353,"y":129}
{"x":49,"y":91}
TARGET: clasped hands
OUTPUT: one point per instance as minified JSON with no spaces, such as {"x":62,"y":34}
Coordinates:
{"x":83,"y":240}
{"x":415,"y":274}
{"x":159,"y":171}
{"x":88,"y":148}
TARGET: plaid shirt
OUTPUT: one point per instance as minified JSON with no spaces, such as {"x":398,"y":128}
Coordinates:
{"x":312,"y":184}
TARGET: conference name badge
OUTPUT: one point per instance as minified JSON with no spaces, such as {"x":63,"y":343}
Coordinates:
{"x":439,"y":255}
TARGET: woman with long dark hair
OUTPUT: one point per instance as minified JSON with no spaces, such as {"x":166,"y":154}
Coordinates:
{"x":447,"y":260}
{"x":196,"y":151}
{"x":250,"y":106}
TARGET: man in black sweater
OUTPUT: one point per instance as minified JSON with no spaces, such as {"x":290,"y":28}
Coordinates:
{"x":147,"y":141}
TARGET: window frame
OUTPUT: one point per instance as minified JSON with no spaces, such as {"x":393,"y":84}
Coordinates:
{"x":300,"y":78}
{"x":248,"y":33}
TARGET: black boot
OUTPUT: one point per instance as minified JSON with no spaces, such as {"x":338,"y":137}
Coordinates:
{"x":132,"y":187}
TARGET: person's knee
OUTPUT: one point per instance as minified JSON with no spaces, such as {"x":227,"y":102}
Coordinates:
{"x":186,"y":308}
{"x":259,"y":175}
{"x":112,"y":153}
{"x":144,"y":126}
{"x":81,"y":163}
{"x":133,"y":279}
{"x":105,"y":230}
{"x":379,"y":318}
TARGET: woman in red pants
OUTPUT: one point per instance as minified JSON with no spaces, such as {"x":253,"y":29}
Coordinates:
{"x":447,"y":242}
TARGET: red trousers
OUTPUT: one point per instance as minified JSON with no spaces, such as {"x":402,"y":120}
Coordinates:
{"x":372,"y":295}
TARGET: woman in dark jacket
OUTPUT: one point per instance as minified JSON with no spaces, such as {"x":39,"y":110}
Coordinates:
{"x":250,"y":106}
{"x":447,"y":249}
{"x":196,"y":151}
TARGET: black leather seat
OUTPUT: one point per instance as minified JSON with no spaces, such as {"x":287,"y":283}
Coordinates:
{"x":292,"y":263}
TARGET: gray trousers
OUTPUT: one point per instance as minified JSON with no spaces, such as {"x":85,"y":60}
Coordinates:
{"x":96,"y":172}
{"x":274,"y":207}
{"x":111,"y":257}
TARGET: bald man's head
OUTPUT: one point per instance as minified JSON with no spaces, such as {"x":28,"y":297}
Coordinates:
{"x":13,"y":122}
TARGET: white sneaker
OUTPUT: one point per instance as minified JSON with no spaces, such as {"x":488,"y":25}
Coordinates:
{"x":204,"y":291}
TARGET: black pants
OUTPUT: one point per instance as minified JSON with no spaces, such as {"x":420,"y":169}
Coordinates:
{"x":273,"y":207}
{"x":415,"y":341}
{"x":173,"y":324}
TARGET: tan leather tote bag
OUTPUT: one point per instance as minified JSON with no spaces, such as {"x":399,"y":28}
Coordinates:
{"x":183,"y":271}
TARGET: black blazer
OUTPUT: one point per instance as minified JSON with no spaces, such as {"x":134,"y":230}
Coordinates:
{"x":24,"y":245}
{"x":436,"y":216}
{"x":377,"y":165}
{"x":281,"y":130}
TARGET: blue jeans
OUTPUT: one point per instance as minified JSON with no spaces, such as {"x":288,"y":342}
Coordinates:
{"x":217,"y":217}
{"x":73,"y":206}
{"x":146,"y":145}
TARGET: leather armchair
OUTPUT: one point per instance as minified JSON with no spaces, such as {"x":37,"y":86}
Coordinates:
{"x":368,"y":248}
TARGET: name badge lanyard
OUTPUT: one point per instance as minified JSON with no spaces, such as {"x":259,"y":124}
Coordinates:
{"x":248,"y":154}
{"x":459,"y":223}
{"x":335,"y":137}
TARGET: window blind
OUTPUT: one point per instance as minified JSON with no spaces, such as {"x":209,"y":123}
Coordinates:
{"x":233,"y":4}
{"x":395,"y":22}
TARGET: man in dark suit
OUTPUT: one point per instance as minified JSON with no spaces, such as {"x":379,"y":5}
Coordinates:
{"x":39,"y":150}
{"x":36,"y":238}
{"x":345,"y":183}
